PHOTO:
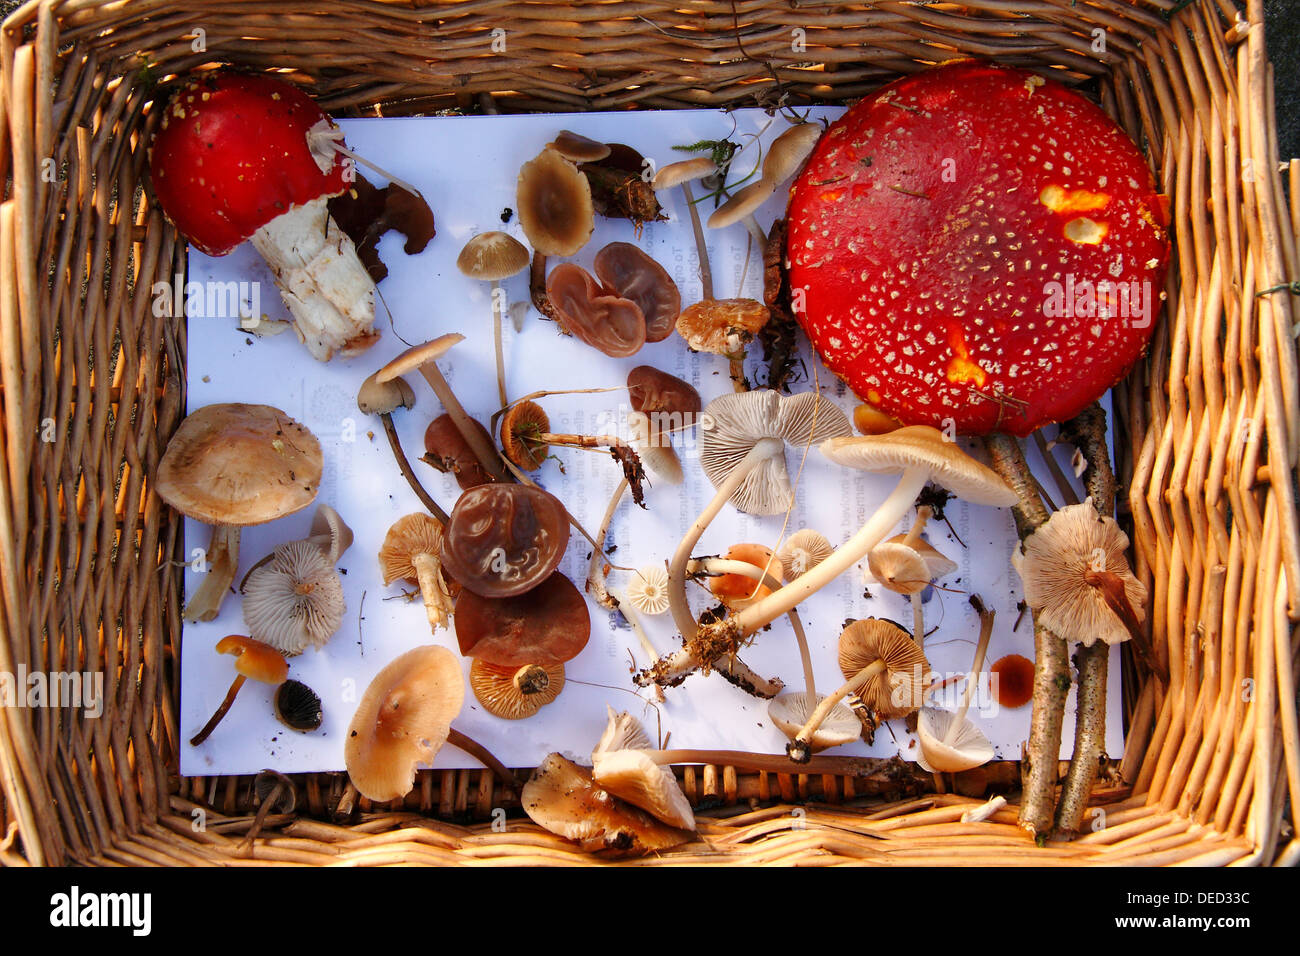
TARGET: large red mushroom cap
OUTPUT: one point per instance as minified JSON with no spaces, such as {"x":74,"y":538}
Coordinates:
{"x":231,"y":154}
{"x":977,"y":244}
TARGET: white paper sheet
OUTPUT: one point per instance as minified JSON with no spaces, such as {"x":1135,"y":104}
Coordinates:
{"x":466,"y":167}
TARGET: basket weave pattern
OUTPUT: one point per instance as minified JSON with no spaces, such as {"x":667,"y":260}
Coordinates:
{"x":1207,"y":429}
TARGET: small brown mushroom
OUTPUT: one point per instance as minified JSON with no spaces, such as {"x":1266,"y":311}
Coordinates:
{"x":253,"y":659}
{"x":526,"y":439}
{"x":724,"y":327}
{"x":577,"y":148}
{"x":627,"y":271}
{"x":554,"y":203}
{"x":547,"y":625}
{"x":412,"y":551}
{"x":382,"y":399}
{"x":515,"y":693}
{"x":608,"y":323}
{"x":491,"y":257}
{"x":503,"y":540}
{"x":445,"y":449}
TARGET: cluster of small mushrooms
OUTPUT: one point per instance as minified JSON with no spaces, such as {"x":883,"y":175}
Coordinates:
{"x":488,"y":569}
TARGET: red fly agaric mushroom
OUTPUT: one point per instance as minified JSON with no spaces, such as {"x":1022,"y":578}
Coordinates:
{"x":232,"y":161}
{"x":978,"y":244}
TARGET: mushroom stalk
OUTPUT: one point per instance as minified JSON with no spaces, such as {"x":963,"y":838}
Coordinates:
{"x":321,"y":279}
{"x":496,"y":340}
{"x":404,"y":466}
{"x":770,"y":763}
{"x":222,"y":559}
{"x":596,"y":567}
{"x":437,"y":602}
{"x":483,"y":756}
{"x":981,"y":649}
{"x":211,"y":725}
{"x":803,"y":739}
{"x":487,"y":455}
{"x":706,"y":272}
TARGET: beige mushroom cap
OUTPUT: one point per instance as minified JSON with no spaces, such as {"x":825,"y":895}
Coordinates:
{"x":1053,"y":566}
{"x":742,"y":204}
{"x":803,"y":551}
{"x":294,"y":601}
{"x":647,"y":591}
{"x":565,"y":799}
{"x":907,"y":569}
{"x":688,"y":170}
{"x":732,"y":424}
{"x":966,"y":749}
{"x":899,"y":688}
{"x":403,"y":720}
{"x":622,"y":732}
{"x":382,"y":398}
{"x":492,"y":256}
{"x":554,"y":202}
{"x":789,"y":150}
{"x":515,"y":693}
{"x":578,"y":148}
{"x":790,"y":712}
{"x":926,"y":448}
{"x":722,"y":326}
{"x":330,"y":533}
{"x":236,"y":464}
{"x":622,"y":766}
{"x":417,"y":355}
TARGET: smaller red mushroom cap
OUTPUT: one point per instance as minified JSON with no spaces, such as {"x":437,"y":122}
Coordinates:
{"x":231,"y":154}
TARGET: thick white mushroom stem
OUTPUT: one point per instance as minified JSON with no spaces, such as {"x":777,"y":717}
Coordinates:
{"x":682,"y":617}
{"x":801,"y":747}
{"x":322,"y":281}
{"x":891,"y":511}
{"x":437,"y":601}
{"x":725,"y":566}
{"x":222,"y":559}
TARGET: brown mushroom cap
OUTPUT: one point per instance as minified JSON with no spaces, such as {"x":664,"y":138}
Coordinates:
{"x":803,"y":551}
{"x":624,"y":269}
{"x":548,"y":625}
{"x":515,"y":693}
{"x":504,"y":539}
{"x":722,"y":326}
{"x":381,"y":398}
{"x":520,"y":425}
{"x":789,"y":150}
{"x":652,"y":391}
{"x":899,"y":688}
{"x":417,"y":355}
{"x":688,"y":170}
{"x":578,"y":148}
{"x":237,"y":464}
{"x":609,"y":323}
{"x":403,"y":719}
{"x":446,"y":449}
{"x":554,"y":203}
{"x":742,"y":204}
{"x":491,"y":256}
{"x":255,"y":659}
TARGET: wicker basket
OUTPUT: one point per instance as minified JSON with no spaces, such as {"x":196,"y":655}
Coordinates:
{"x":1207,"y":428}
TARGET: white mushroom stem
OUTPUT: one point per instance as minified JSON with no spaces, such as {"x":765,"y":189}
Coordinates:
{"x":321,"y":279}
{"x":977,"y":666}
{"x":596,"y":568}
{"x":763,"y":449}
{"x":984,"y":810}
{"x":805,"y":735}
{"x":890,"y":512}
{"x":437,"y":602}
{"x":725,"y":566}
{"x":918,"y":610}
{"x":496,"y":337}
{"x":706,"y":272}
{"x":222,"y":559}
{"x":486,"y":454}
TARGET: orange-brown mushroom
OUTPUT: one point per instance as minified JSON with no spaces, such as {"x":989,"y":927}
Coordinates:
{"x":261,"y":662}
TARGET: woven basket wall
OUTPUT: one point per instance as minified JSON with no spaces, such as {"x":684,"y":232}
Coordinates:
{"x":1207,"y":428}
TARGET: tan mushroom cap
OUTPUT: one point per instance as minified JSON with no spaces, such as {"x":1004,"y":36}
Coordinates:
{"x":515,"y":693}
{"x":554,"y":202}
{"x":294,"y":601}
{"x":578,"y":148}
{"x":926,"y":448}
{"x":403,"y":720}
{"x":417,"y":355}
{"x":732,"y":424}
{"x":622,"y":732}
{"x":330,"y":533}
{"x":1055,"y":560}
{"x":237,"y":464}
{"x":743,"y":203}
{"x":564,"y":798}
{"x":899,"y":688}
{"x":688,"y":170}
{"x":803,"y":551}
{"x":789,"y":150}
{"x":907,"y":569}
{"x":409,"y":536}
{"x":722,"y":326}
{"x":255,"y":659}
{"x":382,"y":398}
{"x":790,"y":712}
{"x":632,"y":776}
{"x":654,"y":449}
{"x":967,"y":749}
{"x":492,"y":256}
{"x":522,"y":421}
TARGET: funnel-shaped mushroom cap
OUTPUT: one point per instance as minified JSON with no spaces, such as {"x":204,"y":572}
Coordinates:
{"x":381,"y":398}
{"x":417,"y":355}
{"x":733,"y":424}
{"x":554,"y":203}
{"x":907,"y":569}
{"x":330,"y":533}
{"x":1055,"y":566}
{"x":923,"y":447}
{"x":898,"y":687}
{"x":790,"y":712}
{"x":295,"y":601}
{"x":254,"y":659}
{"x":803,"y":551}
{"x":403,"y":720}
{"x":563,"y":798}
{"x":236,"y":464}
{"x":515,"y":693}
{"x":505,"y":539}
{"x":549,"y":624}
{"x":967,"y":749}
{"x":789,"y":150}
{"x":491,"y":256}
